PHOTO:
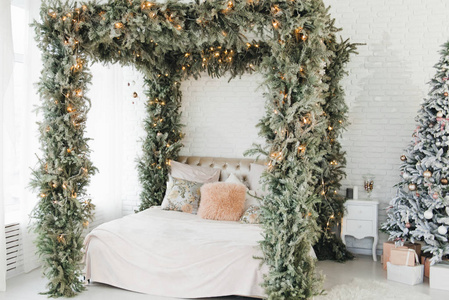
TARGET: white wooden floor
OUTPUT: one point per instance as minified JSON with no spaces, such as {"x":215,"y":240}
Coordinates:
{"x":28,"y":286}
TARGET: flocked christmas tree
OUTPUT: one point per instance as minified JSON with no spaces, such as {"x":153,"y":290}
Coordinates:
{"x":420,"y":211}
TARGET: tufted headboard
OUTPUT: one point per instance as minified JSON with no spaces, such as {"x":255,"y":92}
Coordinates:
{"x":238,"y":166}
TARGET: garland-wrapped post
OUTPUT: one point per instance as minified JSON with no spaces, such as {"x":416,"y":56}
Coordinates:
{"x":294,"y":128}
{"x":163,"y":140}
{"x":64,"y":167}
{"x":331,"y":207}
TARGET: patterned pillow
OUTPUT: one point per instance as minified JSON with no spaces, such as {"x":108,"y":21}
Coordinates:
{"x":252,"y":215}
{"x":182,"y":195}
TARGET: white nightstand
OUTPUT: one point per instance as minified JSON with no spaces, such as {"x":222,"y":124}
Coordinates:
{"x":360,"y":221}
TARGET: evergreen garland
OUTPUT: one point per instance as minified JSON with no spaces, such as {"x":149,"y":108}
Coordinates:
{"x":331,"y":207}
{"x":169,"y":42}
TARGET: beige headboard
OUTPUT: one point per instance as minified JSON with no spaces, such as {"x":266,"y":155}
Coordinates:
{"x":238,"y":166}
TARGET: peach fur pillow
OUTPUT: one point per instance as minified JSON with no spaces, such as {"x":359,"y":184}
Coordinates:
{"x":222,"y":201}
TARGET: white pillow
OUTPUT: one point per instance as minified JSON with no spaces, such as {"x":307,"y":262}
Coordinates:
{"x":233,"y":179}
{"x":255,"y":172}
{"x":251,"y":199}
{"x":250,"y":194}
{"x":194,"y":173}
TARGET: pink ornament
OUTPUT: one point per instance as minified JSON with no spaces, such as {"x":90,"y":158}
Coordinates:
{"x":407,"y":225}
{"x":445,"y":78}
{"x":417,"y":194}
{"x":435,"y":196}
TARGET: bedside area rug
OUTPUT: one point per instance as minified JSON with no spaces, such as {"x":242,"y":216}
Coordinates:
{"x":359,"y":289}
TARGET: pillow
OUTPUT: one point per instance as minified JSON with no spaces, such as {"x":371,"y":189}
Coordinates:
{"x":254,"y":175}
{"x":250,"y":198}
{"x":222,"y":201}
{"x":193,"y":173}
{"x":182,"y":195}
{"x":252,"y":215}
{"x":236,"y":179}
{"x":233,"y":179}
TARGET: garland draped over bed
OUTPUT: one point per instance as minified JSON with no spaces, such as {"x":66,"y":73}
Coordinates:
{"x":302,"y":61}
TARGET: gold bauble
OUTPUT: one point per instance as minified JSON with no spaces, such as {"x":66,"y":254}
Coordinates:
{"x":444,"y":181}
{"x":403,"y":158}
{"x":412,"y":186}
{"x":427,"y":174}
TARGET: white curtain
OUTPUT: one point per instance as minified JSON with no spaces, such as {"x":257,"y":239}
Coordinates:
{"x":104,"y":127}
{"x":28,"y":143}
{"x":6,"y":88}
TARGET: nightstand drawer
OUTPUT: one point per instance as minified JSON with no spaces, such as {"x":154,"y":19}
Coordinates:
{"x":358,"y":227}
{"x":360,"y":212}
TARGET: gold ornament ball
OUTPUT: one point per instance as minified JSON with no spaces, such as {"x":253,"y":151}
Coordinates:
{"x":443,"y":181}
{"x":446,"y":94}
{"x":427,"y":174}
{"x":403,"y":158}
{"x":135,"y":95}
{"x":439,"y":114}
{"x":412,"y":186}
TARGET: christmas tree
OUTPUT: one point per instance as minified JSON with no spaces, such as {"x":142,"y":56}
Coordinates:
{"x":420,"y":211}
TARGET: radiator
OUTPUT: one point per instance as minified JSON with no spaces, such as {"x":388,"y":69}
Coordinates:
{"x":14,"y":250}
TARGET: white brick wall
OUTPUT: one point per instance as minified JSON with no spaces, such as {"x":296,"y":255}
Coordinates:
{"x":220,"y":116}
{"x":386,"y":84}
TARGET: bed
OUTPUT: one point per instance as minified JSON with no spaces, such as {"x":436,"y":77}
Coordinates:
{"x":176,"y":254}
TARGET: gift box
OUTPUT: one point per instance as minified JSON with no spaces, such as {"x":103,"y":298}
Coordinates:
{"x":405,"y":274}
{"x":388,"y":246}
{"x":425,"y":260}
{"x":403,"y":256}
{"x":439,"y":276}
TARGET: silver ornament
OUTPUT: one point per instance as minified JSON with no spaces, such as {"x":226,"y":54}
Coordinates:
{"x":442,"y":230}
{"x":428,"y":214}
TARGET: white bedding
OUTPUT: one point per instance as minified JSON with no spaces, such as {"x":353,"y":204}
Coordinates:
{"x":176,"y":254}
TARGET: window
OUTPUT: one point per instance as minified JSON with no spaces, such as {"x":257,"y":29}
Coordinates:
{"x":13,"y":127}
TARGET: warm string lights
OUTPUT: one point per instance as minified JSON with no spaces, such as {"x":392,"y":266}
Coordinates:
{"x":146,"y":5}
{"x":157,"y":101}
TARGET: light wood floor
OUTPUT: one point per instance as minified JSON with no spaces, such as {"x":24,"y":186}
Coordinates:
{"x":27,"y":286}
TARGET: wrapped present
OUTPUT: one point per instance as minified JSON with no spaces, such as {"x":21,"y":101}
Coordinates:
{"x":388,"y":246}
{"x":439,"y":276}
{"x":425,"y":260}
{"x":403,"y":256}
{"x":405,"y":274}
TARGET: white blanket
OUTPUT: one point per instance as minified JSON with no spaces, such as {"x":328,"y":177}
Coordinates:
{"x":176,"y":254}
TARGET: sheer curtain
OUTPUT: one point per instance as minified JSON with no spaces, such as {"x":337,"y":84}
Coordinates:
{"x":28,"y":144}
{"x":18,"y":144}
{"x":105,"y":128}
{"x":6,"y":84}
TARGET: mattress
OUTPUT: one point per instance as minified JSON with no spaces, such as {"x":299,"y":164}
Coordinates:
{"x":176,"y":254}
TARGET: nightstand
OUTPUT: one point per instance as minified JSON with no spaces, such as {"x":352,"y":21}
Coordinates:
{"x":360,"y":221}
